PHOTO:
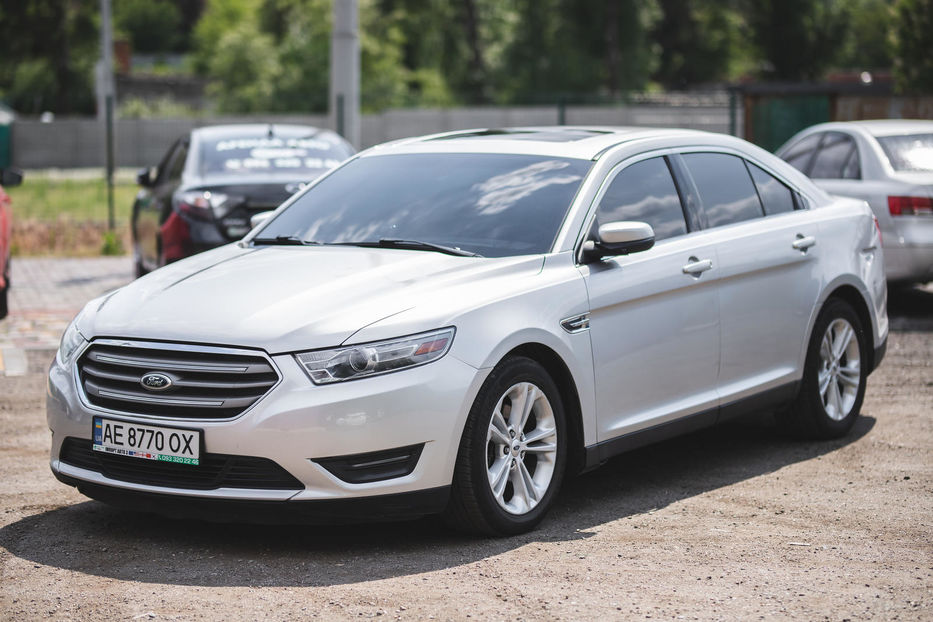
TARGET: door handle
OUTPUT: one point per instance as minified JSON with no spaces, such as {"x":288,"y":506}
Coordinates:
{"x":802,"y":243}
{"x":696,"y":267}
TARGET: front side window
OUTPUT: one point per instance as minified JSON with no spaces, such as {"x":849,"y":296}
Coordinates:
{"x":775,"y":196}
{"x":725,"y":187}
{"x":645,"y":192}
{"x":836,"y":159}
{"x":495,"y":205}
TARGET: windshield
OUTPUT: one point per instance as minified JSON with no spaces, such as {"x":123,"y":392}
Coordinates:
{"x":304,"y":156}
{"x":912,"y":152}
{"x":489,"y":204}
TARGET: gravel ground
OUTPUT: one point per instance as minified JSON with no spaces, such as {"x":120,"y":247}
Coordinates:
{"x":730,"y":523}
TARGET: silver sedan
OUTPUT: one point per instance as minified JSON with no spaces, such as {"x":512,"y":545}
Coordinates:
{"x":887,"y":163}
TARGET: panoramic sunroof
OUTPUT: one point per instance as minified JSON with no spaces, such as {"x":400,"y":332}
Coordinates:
{"x":555,"y":135}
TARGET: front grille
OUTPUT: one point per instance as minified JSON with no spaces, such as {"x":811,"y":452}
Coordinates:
{"x":204,"y":384}
{"x":214,"y":471}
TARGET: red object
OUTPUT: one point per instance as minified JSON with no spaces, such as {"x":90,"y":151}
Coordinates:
{"x":6,"y":234}
{"x":910,"y":206}
{"x":176,"y":239}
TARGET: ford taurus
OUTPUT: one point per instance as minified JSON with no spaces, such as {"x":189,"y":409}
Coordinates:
{"x":455,"y":323}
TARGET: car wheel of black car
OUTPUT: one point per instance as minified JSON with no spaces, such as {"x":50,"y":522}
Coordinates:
{"x":512,"y":454}
{"x":834,"y":375}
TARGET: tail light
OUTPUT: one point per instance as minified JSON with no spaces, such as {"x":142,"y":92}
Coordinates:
{"x":910,"y":206}
{"x":202,"y":205}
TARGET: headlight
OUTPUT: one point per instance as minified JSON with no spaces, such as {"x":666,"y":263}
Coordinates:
{"x":72,"y":340}
{"x":380,"y":357}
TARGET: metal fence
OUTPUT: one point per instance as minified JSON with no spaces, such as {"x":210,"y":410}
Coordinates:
{"x":79,"y":143}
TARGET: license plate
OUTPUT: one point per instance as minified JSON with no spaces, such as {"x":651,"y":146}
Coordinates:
{"x":149,"y":442}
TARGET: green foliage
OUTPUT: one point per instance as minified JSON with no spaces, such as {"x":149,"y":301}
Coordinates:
{"x":218,"y":18}
{"x":161,"y":108}
{"x":797,"y":39}
{"x":868,"y":42}
{"x":55,"y":38}
{"x":151,"y":25}
{"x":913,"y":25}
{"x":112,"y":244}
{"x":245,"y":69}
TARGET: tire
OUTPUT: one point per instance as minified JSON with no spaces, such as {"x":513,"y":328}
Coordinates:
{"x":506,"y":489}
{"x":837,"y":357}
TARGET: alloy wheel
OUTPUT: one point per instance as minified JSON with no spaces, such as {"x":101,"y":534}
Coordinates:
{"x":521,"y":448}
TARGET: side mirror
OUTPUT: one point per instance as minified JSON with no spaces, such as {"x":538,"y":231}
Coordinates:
{"x":622,"y":237}
{"x":144,"y":177}
{"x":11,"y":177}
{"x":257,"y":219}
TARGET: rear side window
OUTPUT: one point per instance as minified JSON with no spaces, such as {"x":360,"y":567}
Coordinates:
{"x":726,"y":190}
{"x":800,"y":154}
{"x":644,"y":191}
{"x":775,"y":196}
{"x":836,"y":159}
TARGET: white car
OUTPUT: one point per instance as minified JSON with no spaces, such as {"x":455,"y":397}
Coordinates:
{"x":887,"y":163}
{"x":453,"y":324}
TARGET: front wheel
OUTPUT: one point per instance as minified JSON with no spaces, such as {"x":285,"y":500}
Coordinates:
{"x":512,"y":454}
{"x":834,"y":375}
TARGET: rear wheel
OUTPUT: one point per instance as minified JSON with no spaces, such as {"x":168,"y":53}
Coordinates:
{"x":513,"y":452}
{"x":834,"y":376}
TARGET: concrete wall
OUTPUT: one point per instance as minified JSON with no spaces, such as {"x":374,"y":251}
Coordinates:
{"x":79,"y":143}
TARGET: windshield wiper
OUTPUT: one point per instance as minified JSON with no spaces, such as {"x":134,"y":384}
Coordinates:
{"x":284,"y":240}
{"x":414,"y":245}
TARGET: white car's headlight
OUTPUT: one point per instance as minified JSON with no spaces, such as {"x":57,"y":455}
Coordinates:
{"x":380,"y":357}
{"x":72,"y":341}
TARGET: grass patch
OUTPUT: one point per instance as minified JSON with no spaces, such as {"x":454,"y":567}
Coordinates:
{"x":58,"y":214}
{"x":49,"y":199}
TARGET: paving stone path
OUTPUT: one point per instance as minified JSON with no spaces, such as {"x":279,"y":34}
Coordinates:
{"x":46,"y":295}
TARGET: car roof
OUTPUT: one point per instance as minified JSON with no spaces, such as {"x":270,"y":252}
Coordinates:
{"x":880,"y":127}
{"x":579,"y":142}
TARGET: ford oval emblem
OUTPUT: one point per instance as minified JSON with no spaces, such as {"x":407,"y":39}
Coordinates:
{"x":154,"y":381}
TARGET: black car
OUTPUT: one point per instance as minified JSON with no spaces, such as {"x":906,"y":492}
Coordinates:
{"x":214,"y":179}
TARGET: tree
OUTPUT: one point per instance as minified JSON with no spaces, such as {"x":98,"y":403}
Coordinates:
{"x":698,"y":42}
{"x":244,"y":70}
{"x":151,"y":25}
{"x":49,"y":48}
{"x":796,"y":39}
{"x":913,"y":63}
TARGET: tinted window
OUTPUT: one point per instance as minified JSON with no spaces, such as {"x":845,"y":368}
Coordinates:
{"x":800,"y":154}
{"x":836,"y":159}
{"x":913,"y":152}
{"x":775,"y":196}
{"x":726,"y":190}
{"x":644,"y":191}
{"x":494,"y":205}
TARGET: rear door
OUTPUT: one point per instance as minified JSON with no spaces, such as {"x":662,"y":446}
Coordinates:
{"x":654,"y":315}
{"x":768,"y":250}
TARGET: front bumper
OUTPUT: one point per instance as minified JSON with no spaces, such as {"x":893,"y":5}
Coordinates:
{"x":293,"y":425}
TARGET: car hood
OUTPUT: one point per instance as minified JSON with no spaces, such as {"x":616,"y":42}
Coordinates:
{"x":288,"y":298}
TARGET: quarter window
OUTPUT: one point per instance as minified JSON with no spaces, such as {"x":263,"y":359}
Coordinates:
{"x":645,"y":192}
{"x":836,"y":159}
{"x":775,"y":196}
{"x":725,"y":187}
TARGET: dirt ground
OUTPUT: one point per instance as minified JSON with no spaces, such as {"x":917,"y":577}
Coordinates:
{"x":735,"y":522}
